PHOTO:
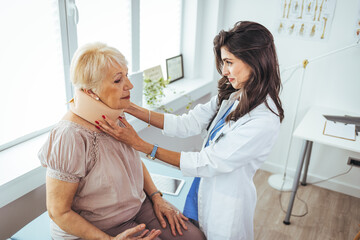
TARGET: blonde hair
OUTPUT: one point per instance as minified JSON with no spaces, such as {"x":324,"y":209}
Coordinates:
{"x":91,"y":62}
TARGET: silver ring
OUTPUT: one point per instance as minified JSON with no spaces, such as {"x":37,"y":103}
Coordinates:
{"x":177,"y":212}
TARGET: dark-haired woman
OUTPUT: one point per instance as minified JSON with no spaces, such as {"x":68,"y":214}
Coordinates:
{"x":242,"y":123}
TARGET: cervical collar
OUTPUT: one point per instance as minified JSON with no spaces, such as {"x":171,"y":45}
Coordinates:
{"x":92,"y":110}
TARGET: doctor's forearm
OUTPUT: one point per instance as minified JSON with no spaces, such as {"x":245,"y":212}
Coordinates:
{"x":156,"y":119}
{"x":168,"y":156}
{"x":162,"y":154}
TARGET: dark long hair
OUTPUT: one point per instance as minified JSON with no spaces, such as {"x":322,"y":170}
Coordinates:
{"x":253,"y":44}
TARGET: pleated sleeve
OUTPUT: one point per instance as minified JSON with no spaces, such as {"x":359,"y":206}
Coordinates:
{"x":64,"y":155}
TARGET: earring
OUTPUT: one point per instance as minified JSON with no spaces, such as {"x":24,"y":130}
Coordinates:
{"x":97,"y":98}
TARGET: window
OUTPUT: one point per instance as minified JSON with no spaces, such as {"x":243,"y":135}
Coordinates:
{"x":38,"y":40}
{"x":160,"y":31}
{"x":32,"y":73}
{"x":106,"y":21}
{"x":41,"y":38}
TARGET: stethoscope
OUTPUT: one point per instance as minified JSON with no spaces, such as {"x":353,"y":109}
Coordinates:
{"x":218,"y":138}
{"x":215,"y":129}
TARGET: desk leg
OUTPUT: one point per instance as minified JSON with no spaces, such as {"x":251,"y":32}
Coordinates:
{"x":307,"y":161}
{"x":296,"y":182}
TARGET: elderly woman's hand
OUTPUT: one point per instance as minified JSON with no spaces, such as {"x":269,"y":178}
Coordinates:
{"x":174,"y":216}
{"x":126,"y":134}
{"x":128,"y":234}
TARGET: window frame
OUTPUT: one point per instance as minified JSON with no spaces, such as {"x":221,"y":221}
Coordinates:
{"x":69,"y":17}
{"x":68,"y":49}
{"x":191,"y":48}
{"x":64,"y":29}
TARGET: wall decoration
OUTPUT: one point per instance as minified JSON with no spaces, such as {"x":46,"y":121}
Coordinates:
{"x":306,"y":19}
{"x":154,"y":73}
{"x":174,"y":68}
{"x":154,"y":85}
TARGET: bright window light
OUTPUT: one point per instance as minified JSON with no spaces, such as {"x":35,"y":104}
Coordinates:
{"x":160,"y":30}
{"x":107,"y":21}
{"x":31,"y":68}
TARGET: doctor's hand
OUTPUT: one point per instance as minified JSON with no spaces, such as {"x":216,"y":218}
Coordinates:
{"x":128,"y":234}
{"x":132,"y":107}
{"x":125,"y":134}
{"x":174,"y":217}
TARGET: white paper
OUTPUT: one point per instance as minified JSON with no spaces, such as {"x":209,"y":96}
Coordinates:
{"x":340,"y":130}
{"x":154,"y":73}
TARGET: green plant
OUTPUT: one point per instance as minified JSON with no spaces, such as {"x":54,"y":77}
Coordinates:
{"x":154,"y":91}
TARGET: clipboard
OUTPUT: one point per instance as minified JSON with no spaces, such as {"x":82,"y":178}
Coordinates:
{"x":340,"y":130}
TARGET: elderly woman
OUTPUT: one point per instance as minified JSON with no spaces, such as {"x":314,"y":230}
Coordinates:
{"x":96,"y":186}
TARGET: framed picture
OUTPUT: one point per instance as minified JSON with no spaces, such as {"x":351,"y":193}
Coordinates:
{"x":174,"y":68}
{"x":154,"y":73}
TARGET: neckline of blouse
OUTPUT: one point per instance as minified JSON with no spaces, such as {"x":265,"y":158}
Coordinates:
{"x":64,"y":121}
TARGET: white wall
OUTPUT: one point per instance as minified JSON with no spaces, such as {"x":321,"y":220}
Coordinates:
{"x":331,"y":82}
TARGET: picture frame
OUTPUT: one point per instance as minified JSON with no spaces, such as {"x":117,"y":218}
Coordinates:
{"x":154,"y":73}
{"x":175,"y":68}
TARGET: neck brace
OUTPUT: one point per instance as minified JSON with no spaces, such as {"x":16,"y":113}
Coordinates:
{"x":92,"y":110}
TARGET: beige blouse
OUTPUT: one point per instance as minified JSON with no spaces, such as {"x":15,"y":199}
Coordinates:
{"x":109,"y":174}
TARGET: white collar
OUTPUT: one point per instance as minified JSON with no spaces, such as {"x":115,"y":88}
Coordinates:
{"x":235,"y":96}
{"x":92,"y":110}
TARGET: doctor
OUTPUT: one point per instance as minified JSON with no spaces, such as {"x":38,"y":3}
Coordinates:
{"x":241,"y":125}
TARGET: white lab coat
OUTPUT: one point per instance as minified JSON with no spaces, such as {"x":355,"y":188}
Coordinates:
{"x":227,"y":195}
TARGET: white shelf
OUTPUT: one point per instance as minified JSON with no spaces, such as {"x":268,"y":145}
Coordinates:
{"x":185,"y":90}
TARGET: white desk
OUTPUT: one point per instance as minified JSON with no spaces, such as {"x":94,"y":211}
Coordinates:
{"x":310,"y":130}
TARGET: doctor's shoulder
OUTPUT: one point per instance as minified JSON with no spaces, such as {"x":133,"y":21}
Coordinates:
{"x":264,"y":117}
{"x":268,"y":120}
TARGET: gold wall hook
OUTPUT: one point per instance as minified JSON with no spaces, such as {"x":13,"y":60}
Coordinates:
{"x":323,"y":34}
{"x":305,"y":63}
